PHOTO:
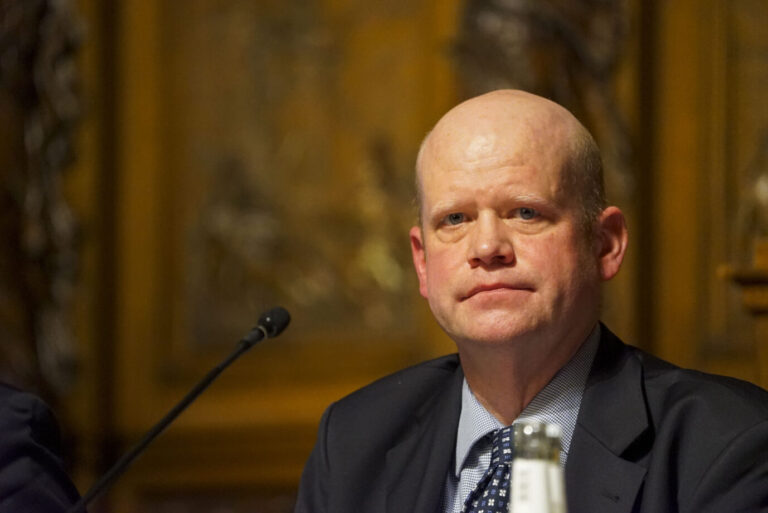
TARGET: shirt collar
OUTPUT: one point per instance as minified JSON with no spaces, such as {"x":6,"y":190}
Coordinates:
{"x":558,"y":403}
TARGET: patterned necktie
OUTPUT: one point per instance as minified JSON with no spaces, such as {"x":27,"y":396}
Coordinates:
{"x":491,"y":495}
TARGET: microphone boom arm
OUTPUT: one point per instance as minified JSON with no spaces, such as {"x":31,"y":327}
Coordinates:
{"x":270,"y":325}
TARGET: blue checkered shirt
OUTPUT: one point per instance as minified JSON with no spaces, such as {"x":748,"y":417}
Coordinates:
{"x":558,"y":403}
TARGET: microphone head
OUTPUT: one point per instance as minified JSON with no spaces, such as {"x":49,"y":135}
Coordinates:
{"x":274,"y":321}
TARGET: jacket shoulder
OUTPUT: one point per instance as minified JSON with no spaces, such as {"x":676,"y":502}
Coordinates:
{"x":404,"y":389}
{"x":719,"y":399}
{"x":718,"y":402}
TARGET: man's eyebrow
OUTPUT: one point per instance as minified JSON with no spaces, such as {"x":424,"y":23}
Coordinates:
{"x":528,"y":198}
{"x":442,"y":206}
{"x":445,"y":207}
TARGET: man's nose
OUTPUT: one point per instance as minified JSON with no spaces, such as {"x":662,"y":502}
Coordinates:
{"x":491,"y":242}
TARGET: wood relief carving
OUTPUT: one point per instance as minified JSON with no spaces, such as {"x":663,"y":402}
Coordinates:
{"x":274,"y":204}
{"x":38,"y":112}
{"x":565,"y":50}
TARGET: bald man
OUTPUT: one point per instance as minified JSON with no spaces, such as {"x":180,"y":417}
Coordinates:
{"x":513,"y":243}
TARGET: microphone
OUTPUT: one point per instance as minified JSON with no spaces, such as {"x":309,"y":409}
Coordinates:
{"x":271,"y":323}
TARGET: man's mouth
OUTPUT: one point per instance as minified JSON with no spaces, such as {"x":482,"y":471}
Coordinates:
{"x":479,"y":289}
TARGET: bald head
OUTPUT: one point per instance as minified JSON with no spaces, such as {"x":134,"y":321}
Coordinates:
{"x":508,"y":127}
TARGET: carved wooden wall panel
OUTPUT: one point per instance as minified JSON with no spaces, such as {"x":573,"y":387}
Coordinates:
{"x":39,"y":113}
{"x":265,"y":154}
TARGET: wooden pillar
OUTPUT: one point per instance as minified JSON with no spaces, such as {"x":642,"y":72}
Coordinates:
{"x":753,"y":283}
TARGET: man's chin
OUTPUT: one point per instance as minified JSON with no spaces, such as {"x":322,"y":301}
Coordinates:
{"x":490,"y":326}
{"x":497,"y":335}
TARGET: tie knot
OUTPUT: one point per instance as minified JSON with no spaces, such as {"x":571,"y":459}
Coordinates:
{"x":502,"y":451}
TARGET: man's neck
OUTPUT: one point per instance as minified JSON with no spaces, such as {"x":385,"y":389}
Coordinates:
{"x":506,"y":377}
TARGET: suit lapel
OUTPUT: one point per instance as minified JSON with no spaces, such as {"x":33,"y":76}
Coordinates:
{"x":416,"y":467}
{"x":613,"y":422}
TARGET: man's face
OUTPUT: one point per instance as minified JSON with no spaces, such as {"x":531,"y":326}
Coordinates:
{"x":502,"y":253}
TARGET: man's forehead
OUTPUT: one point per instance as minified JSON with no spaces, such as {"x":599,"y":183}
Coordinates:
{"x":497,"y":125}
{"x":475,"y":150}
{"x":475,"y":145}
{"x":501,"y":128}
{"x":481,"y":145}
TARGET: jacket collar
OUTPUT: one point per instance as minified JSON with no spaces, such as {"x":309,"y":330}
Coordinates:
{"x":612,"y":418}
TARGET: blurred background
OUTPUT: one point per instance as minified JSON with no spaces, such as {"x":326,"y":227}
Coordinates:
{"x":170,"y":169}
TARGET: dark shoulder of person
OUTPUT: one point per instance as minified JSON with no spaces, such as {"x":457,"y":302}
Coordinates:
{"x":707,"y":417}
{"x":685,"y":390}
{"x":32,"y":477}
{"x":404,"y":390}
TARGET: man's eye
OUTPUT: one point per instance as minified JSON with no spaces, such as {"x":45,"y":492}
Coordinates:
{"x":454,"y":219}
{"x":527,"y":213}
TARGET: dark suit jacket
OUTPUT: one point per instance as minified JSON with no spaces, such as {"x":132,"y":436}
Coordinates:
{"x":32,"y":479}
{"x":650,"y":437}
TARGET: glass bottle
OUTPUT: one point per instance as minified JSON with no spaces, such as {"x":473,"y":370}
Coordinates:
{"x":537,"y":484}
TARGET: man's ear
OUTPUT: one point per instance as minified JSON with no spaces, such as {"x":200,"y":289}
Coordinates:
{"x":419,"y":258}
{"x":611,"y":241}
